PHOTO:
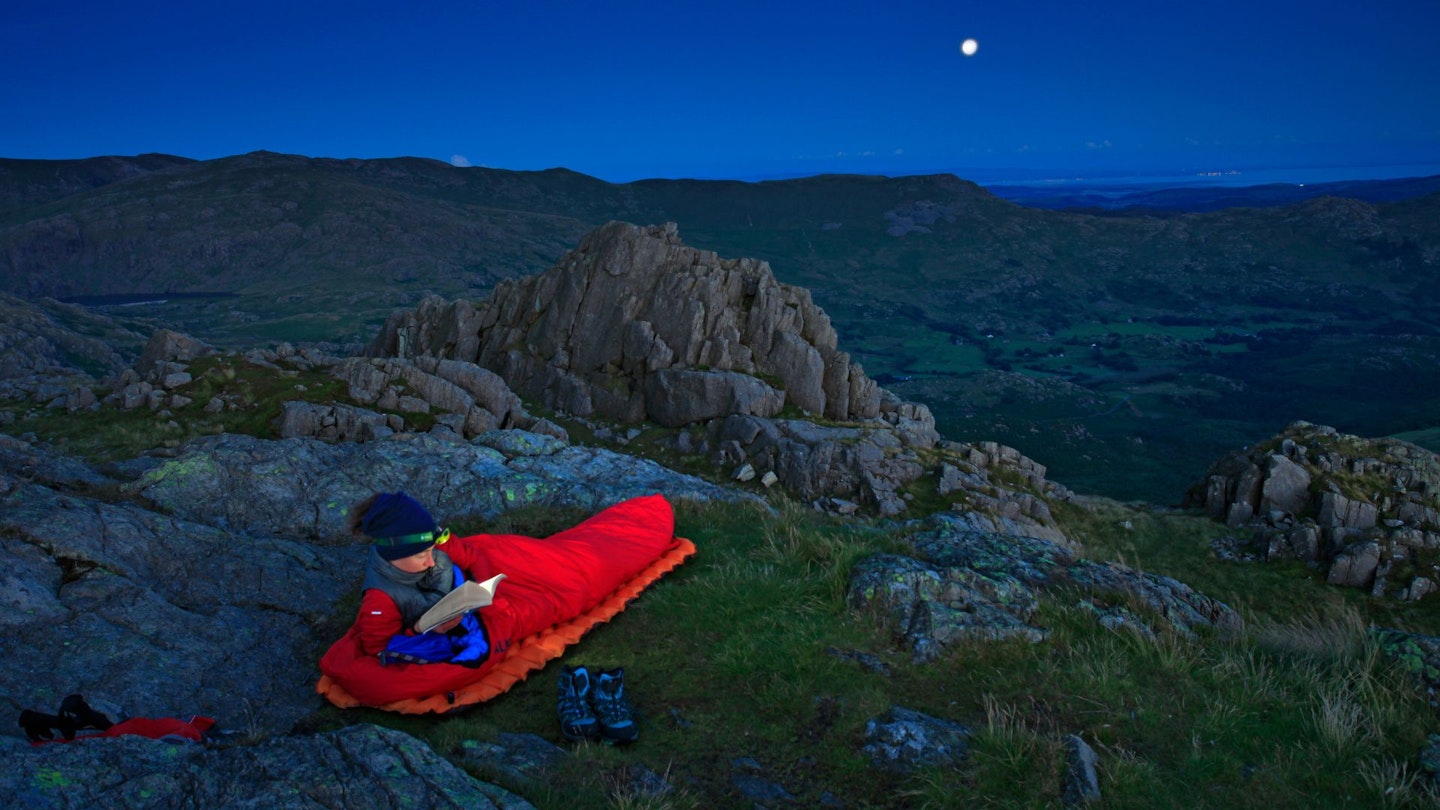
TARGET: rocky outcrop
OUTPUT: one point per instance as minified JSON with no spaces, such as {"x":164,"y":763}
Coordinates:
{"x":961,"y":585}
{"x":1366,"y":510}
{"x":634,"y":326}
{"x":162,"y":369}
{"x":386,"y":396}
{"x":160,"y":614}
{"x":53,"y":353}
{"x":362,"y":766}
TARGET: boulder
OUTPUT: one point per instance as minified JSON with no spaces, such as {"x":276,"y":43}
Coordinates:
{"x":1355,"y":566}
{"x":904,"y":740}
{"x":333,"y":422}
{"x":868,"y":463}
{"x":932,"y":608}
{"x":1286,"y":486}
{"x":487,"y":388}
{"x":465,"y":398}
{"x":1416,"y":653}
{"x":1082,"y":782}
{"x":167,"y":346}
{"x":1340,"y":512}
{"x":960,"y":584}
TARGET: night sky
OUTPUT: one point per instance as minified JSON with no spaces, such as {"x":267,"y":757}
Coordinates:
{"x":626,"y":90}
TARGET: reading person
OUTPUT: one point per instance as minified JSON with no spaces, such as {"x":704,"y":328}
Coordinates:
{"x":555,"y":589}
{"x":413,"y":563}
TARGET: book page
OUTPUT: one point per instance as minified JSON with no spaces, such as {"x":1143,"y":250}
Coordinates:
{"x":462,"y":600}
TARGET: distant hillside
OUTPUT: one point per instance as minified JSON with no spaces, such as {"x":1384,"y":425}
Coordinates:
{"x":35,"y":182}
{"x":1125,"y":353}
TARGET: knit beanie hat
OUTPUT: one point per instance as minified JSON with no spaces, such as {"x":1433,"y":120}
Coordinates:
{"x":399,"y":525}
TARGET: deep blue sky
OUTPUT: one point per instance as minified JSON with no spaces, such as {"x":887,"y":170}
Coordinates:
{"x":624,"y":90}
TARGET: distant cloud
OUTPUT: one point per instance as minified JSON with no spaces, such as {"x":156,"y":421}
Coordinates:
{"x":1105,"y":144}
{"x":459,"y":160}
{"x":844,"y":154}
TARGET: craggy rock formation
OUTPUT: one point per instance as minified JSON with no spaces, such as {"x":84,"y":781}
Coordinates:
{"x":362,"y":766}
{"x":1368,"y":510}
{"x":962,"y":584}
{"x":989,"y":506}
{"x":633,"y":326}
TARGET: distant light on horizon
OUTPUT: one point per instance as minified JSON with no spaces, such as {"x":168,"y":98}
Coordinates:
{"x":969,"y":47}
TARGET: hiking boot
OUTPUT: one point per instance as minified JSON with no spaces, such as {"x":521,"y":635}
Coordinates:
{"x":617,"y":721}
{"x":78,"y":714}
{"x":41,"y":726}
{"x":577,"y":720}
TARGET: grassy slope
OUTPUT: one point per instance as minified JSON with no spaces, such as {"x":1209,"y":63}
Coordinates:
{"x":727,"y":659}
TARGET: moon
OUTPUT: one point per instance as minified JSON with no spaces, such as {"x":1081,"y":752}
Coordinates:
{"x":969,"y":47}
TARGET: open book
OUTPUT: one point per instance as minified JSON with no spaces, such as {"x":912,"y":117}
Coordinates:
{"x":462,"y":600}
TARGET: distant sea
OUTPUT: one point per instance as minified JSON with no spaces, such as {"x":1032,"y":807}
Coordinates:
{"x":1295,"y":175}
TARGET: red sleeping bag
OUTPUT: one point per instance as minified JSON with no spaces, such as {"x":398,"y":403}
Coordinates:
{"x":555,"y":589}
